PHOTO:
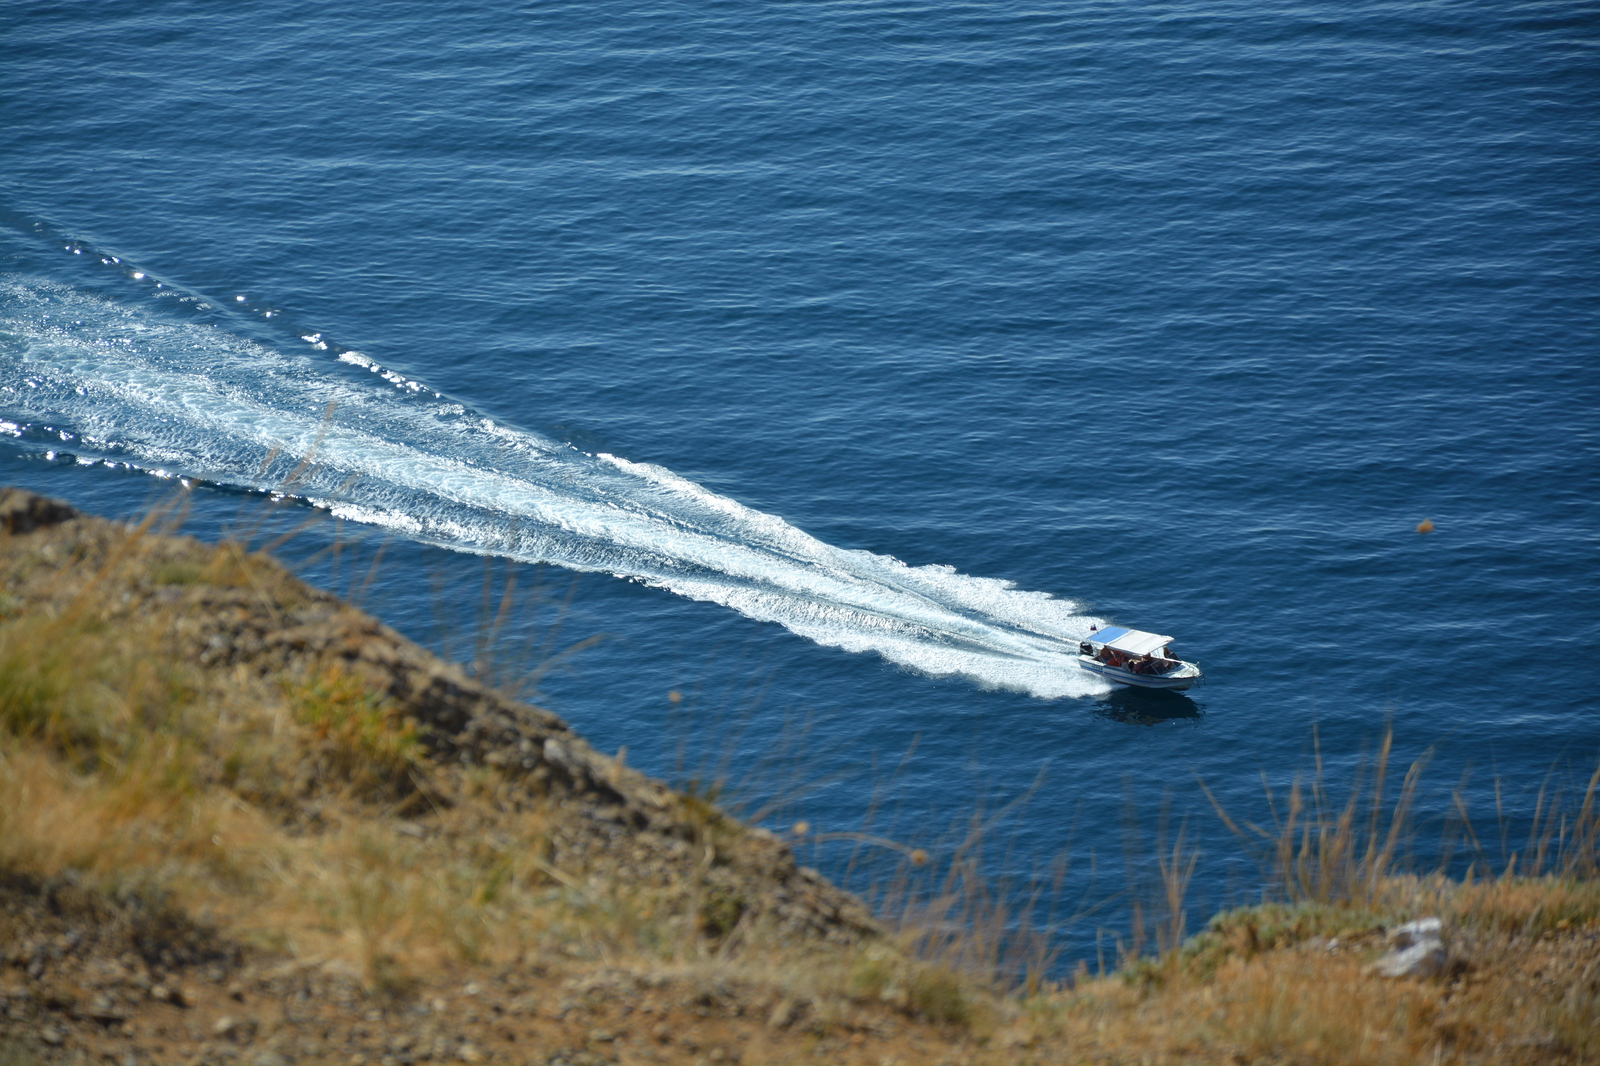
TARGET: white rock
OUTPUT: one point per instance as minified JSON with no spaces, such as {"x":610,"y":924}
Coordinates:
{"x":1419,"y":951}
{"x":1419,"y":960}
{"x":1418,"y":932}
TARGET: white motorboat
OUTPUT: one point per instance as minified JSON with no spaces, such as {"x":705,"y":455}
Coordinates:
{"x":1130,"y":657}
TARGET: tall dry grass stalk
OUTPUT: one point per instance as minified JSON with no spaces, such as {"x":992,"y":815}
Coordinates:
{"x":1560,"y":840}
{"x":1157,"y":872}
{"x":948,"y":909}
{"x":1321,"y":852}
{"x":1317,"y":851}
{"x":517,"y":631}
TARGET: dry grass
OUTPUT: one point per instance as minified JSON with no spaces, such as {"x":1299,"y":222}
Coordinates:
{"x":273,"y":806}
{"x":299,"y":812}
{"x":964,"y":927}
{"x":1290,"y":981}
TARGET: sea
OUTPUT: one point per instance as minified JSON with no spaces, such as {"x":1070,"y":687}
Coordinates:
{"x":779,"y":391}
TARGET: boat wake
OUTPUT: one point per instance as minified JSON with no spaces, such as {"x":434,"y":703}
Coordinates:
{"x":177,"y":394}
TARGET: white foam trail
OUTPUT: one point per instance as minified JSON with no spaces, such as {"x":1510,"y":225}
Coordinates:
{"x":124,"y":383}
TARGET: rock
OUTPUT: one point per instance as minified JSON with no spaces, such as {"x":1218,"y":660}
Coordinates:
{"x":22,"y":511}
{"x":782,"y":1014}
{"x":1419,"y":960}
{"x":1423,"y":929}
{"x":170,"y":994}
{"x":1419,"y":951}
{"x":105,"y":1011}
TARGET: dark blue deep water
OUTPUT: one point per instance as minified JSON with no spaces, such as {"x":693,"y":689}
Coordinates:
{"x":858,"y":356}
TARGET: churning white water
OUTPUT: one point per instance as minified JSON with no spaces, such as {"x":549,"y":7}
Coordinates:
{"x":106,"y":380}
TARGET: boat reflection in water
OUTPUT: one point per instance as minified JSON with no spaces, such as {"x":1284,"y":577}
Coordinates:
{"x":1138,"y":706}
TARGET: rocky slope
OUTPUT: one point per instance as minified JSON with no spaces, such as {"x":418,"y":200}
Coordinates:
{"x":312,"y":733}
{"x":243,"y":822}
{"x":272,"y":628}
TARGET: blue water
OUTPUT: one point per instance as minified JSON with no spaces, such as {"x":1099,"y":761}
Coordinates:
{"x":879,"y":349}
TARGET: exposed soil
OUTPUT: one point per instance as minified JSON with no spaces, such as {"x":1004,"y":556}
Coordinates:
{"x":91,"y":979}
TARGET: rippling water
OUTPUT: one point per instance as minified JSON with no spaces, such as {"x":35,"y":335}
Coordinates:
{"x":929,"y":332}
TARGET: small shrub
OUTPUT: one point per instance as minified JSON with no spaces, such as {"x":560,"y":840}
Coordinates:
{"x":871,"y":976}
{"x":720,"y":911}
{"x":367,"y":741}
{"x":935,"y":993}
{"x":932,"y":992}
{"x":178,"y":572}
{"x":89,"y":690}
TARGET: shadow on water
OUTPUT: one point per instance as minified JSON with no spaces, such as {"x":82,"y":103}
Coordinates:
{"x":1137,"y":706}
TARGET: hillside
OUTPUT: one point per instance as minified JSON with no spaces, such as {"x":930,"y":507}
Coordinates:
{"x":241,"y":821}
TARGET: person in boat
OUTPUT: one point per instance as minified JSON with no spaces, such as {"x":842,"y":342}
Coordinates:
{"x":1162,"y":660}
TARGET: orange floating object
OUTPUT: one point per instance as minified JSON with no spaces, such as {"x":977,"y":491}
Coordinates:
{"x":1424,"y":526}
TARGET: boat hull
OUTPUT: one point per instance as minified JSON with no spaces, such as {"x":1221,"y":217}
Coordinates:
{"x":1178,"y":680}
